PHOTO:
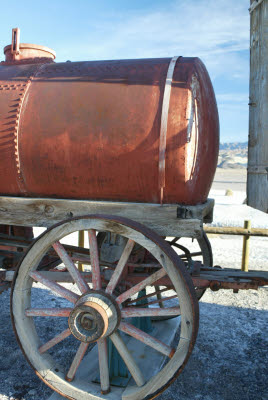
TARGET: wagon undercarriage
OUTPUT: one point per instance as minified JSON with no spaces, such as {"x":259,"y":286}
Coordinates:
{"x":203,"y":277}
{"x":131,"y":284}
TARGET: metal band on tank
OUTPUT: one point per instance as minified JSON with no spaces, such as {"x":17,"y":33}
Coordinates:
{"x":164,"y":124}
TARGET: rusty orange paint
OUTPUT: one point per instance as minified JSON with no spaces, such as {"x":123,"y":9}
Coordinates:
{"x":90,"y":130}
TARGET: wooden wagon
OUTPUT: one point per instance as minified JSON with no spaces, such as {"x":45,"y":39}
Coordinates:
{"x":137,"y":289}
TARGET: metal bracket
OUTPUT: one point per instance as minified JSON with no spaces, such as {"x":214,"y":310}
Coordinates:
{"x":203,"y":212}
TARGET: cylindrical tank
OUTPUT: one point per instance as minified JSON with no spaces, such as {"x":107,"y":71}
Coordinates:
{"x":91,"y":130}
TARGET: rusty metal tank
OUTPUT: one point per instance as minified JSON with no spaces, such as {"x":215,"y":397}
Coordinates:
{"x":142,"y":130}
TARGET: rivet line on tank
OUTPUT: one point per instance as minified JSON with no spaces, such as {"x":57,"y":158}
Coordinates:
{"x":22,"y":91}
{"x":11,"y":86}
{"x":23,"y":88}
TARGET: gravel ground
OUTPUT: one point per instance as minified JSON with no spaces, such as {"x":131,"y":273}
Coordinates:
{"x":229,"y":361}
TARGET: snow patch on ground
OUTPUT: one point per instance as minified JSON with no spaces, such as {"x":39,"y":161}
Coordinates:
{"x":230,"y":210}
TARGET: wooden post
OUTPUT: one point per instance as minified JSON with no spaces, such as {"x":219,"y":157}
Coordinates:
{"x":257,"y":179}
{"x":245,"y":251}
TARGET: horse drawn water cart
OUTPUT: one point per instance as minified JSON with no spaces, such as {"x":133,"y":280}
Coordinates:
{"x":125,"y":152}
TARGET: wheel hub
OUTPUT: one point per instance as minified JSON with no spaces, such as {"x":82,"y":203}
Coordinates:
{"x":88,"y":322}
{"x":94,"y":316}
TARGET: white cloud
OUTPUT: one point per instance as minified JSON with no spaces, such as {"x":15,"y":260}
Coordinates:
{"x":216,"y":31}
{"x":232,"y":98}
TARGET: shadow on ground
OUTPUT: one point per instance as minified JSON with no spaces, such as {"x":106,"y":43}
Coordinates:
{"x":229,"y":361}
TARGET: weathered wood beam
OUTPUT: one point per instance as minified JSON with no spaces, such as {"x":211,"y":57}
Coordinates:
{"x":232,"y":230}
{"x":46,"y":212}
{"x":257,"y":180}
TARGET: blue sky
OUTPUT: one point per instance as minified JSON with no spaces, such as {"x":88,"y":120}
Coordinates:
{"x":216,"y":31}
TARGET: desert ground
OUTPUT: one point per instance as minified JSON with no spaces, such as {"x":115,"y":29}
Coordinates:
{"x":230,"y":358}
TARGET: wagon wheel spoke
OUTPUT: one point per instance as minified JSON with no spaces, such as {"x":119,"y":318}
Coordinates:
{"x":159,"y":296}
{"x":147,"y":296}
{"x":48,"y":312}
{"x":55,"y":287}
{"x":147,"y":339}
{"x":69,"y":264}
{"x":157,"y":301}
{"x":128,"y":359}
{"x":120,"y":267}
{"x":52,"y":342}
{"x":146,"y":282}
{"x":76,"y":361}
{"x":104,"y":366}
{"x":150,"y":312}
{"x":94,"y":256}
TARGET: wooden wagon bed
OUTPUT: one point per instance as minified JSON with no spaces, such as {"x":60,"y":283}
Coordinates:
{"x":166,"y":220}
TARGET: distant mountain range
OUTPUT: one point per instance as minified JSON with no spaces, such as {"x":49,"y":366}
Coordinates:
{"x":233,"y":146}
{"x":233,"y":155}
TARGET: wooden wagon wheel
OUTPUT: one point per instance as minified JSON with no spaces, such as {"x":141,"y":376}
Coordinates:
{"x":94,"y":313}
{"x":204,"y":254}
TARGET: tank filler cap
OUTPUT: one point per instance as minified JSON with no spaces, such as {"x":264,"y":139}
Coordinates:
{"x":26,"y":53}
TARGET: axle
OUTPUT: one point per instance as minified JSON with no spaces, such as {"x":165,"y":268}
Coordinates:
{"x":213,"y":278}
{"x":203,"y":277}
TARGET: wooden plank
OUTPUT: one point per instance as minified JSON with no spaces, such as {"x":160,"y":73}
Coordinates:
{"x":254,"y":4}
{"x":46,"y":212}
{"x":257,"y":182}
{"x":232,"y":230}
